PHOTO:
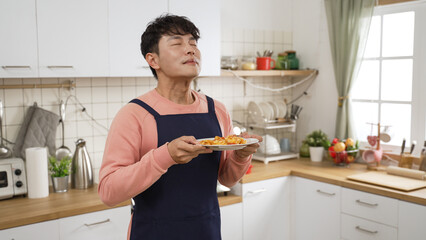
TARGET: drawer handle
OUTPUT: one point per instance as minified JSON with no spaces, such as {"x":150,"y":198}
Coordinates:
{"x":366,"y":203}
{"x":256,"y":191}
{"x":366,"y":230}
{"x":60,"y":66}
{"x":97,"y":223}
{"x":326,"y":193}
{"x":6,"y":67}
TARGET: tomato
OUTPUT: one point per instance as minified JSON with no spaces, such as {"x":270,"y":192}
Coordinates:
{"x":332,"y":152}
{"x":335,"y":140}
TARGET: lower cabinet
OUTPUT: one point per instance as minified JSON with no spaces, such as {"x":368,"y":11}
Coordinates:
{"x":109,"y":224}
{"x":266,"y":208}
{"x":232,"y":221}
{"x":358,"y":228}
{"x":315,"y":210}
{"x":48,"y":230}
{"x":411,"y":221}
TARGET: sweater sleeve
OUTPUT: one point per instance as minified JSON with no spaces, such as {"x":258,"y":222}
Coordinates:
{"x":125,"y":172}
{"x":232,"y":168}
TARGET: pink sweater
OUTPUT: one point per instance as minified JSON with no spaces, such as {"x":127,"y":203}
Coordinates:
{"x":132,"y":161}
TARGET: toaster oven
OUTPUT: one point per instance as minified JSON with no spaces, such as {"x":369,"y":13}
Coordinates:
{"x":13,"y":179}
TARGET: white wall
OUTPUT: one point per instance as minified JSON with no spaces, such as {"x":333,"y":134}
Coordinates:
{"x":310,"y":40}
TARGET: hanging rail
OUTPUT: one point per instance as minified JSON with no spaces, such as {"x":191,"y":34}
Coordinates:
{"x":70,"y":85}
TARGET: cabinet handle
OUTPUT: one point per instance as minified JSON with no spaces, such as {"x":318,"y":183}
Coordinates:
{"x":366,"y":203}
{"x":256,"y":191}
{"x":57,"y":66}
{"x":6,"y":67}
{"x":96,"y":223}
{"x":366,"y":230}
{"x":326,"y":193}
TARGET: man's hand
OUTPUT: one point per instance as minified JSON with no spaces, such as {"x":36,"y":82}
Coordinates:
{"x":186,"y":148}
{"x":250,"y":149}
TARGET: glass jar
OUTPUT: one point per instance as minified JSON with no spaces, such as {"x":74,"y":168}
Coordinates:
{"x":282,"y":62}
{"x":229,"y":63}
{"x":248,"y":63}
{"x":293,"y":62}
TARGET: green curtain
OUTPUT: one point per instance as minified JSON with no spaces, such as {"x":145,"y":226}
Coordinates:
{"x":348,"y":26}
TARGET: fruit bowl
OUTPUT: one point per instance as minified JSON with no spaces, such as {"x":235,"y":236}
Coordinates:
{"x":344,"y":157}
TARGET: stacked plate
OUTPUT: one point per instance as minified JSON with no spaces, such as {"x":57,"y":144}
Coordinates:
{"x":266,"y":111}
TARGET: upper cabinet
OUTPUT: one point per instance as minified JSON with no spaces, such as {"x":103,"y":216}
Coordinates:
{"x":18,"y":48}
{"x":72,"y":38}
{"x":127,"y":21}
{"x":206,"y":16}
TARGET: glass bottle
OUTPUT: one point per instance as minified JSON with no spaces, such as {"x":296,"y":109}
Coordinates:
{"x":282,"y":62}
{"x":423,"y":158}
{"x":293,"y":62}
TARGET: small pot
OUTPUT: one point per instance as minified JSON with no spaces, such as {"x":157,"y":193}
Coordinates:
{"x":316,"y":153}
{"x":60,"y":184}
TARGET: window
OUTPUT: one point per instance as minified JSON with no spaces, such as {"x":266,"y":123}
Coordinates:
{"x":390,"y":86}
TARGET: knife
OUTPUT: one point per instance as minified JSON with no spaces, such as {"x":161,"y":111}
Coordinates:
{"x":413,"y":144}
{"x":403,"y":146}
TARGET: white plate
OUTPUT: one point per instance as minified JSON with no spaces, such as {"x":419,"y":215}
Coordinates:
{"x":255,"y":112}
{"x":282,"y":107}
{"x":276,"y":108}
{"x":268,"y":111}
{"x":229,"y":147}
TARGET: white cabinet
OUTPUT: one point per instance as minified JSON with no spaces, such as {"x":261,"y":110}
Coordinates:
{"x":412,"y":221}
{"x":72,"y":38}
{"x":206,"y":16}
{"x":266,"y":207}
{"x":109,"y":224}
{"x":354,"y":228}
{"x":232,"y":221}
{"x":48,"y":230}
{"x":315,"y":210}
{"x":18,"y":48}
{"x":127,"y":21}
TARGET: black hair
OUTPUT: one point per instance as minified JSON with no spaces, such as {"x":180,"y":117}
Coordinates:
{"x":165,"y":25}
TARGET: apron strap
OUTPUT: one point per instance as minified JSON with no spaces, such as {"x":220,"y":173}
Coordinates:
{"x":146,"y":106}
{"x":210,"y":104}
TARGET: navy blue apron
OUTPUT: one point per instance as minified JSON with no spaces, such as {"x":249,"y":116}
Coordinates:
{"x":183,"y":203}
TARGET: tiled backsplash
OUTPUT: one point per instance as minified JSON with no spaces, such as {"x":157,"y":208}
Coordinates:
{"x":103,"y":97}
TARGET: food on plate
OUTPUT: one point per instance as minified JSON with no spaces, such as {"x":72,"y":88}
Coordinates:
{"x":229,"y":140}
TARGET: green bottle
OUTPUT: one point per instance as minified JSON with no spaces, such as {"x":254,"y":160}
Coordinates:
{"x":293,"y":62}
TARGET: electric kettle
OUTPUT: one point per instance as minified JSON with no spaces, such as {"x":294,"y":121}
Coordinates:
{"x":81,"y":167}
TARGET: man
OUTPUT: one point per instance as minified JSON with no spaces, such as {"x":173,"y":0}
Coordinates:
{"x":151,"y":154}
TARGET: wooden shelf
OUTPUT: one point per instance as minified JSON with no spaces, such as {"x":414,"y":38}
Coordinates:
{"x":262,"y":73}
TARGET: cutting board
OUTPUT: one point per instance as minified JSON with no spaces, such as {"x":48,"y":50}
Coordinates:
{"x":391,"y":181}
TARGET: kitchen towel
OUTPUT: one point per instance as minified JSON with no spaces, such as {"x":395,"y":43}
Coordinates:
{"x":37,"y":174}
{"x":37,"y":130}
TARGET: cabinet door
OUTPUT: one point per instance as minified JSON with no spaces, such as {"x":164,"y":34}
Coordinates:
{"x":315,"y":210}
{"x":18,"y":48}
{"x":232,"y":222}
{"x":73,"y":38}
{"x":206,"y":16}
{"x":266,"y":209}
{"x":127,"y":21}
{"x":103,"y":225}
{"x":354,"y":228}
{"x":48,"y":230}
{"x":411,"y":221}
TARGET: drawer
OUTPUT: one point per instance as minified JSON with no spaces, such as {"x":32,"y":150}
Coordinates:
{"x":354,"y":228}
{"x":109,"y":224}
{"x":370,"y":206}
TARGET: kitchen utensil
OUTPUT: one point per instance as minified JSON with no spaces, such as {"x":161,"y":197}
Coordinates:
{"x":387,"y":180}
{"x":269,"y":145}
{"x":62,"y":151}
{"x":406,"y":160}
{"x":255,"y":112}
{"x":386,"y":134}
{"x":81,"y":167}
{"x":404,"y":172}
{"x":265,"y":63}
{"x":403,"y":146}
{"x":422,"y":166}
{"x":230,"y":146}
{"x":5,"y":152}
{"x":267,"y":109}
{"x":413,"y":144}
{"x":295,"y":111}
{"x":282,"y":106}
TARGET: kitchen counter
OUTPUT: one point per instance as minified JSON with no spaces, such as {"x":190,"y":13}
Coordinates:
{"x":327,"y":172}
{"x":22,"y":211}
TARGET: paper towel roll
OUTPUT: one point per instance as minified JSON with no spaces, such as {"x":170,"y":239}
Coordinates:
{"x":37,"y":174}
{"x":405,"y":172}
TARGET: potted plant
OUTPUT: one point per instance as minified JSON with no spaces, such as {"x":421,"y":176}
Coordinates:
{"x":316,"y":140}
{"x":59,"y":172}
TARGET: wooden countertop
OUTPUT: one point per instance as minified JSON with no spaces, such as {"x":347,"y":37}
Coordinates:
{"x":327,"y":172}
{"x":21,"y":211}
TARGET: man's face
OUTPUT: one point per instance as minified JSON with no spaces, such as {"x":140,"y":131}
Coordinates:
{"x":179,"y":56}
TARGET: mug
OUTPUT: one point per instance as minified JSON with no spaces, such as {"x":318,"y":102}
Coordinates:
{"x":264,"y":63}
{"x":285,"y":145}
